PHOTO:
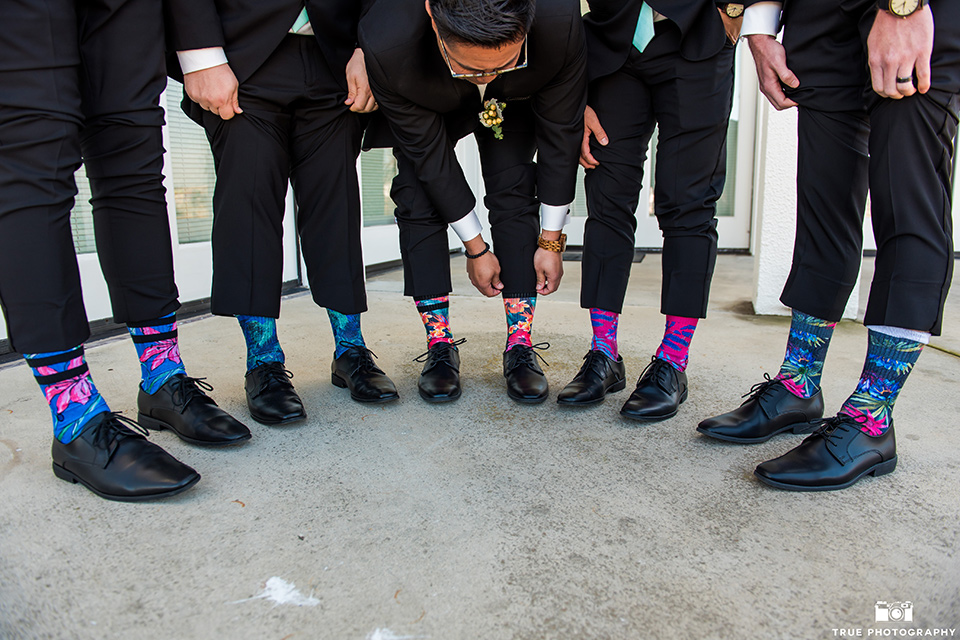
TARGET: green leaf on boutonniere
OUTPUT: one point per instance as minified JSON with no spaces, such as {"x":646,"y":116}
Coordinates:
{"x":492,"y":116}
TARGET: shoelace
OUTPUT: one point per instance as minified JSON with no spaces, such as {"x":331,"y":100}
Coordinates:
{"x":441,"y":355}
{"x":596,"y":361}
{"x":365,"y":360}
{"x":661,"y":369}
{"x":757,"y":390}
{"x":273,"y":375}
{"x":828,"y":426}
{"x":187,"y":389}
{"x":115,"y":427}
{"x":527,"y":355}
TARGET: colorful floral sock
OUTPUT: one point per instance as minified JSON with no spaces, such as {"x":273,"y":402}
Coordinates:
{"x":65,"y":382}
{"x":346,"y":330}
{"x":888,"y":363}
{"x":263,"y":344}
{"x":806,"y":350}
{"x":435,"y":313}
{"x":519,"y":320}
{"x":675,"y":346}
{"x":158,"y":349}
{"x":604,"y":332}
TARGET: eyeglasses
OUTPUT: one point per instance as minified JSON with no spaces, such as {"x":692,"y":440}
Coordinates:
{"x":483,"y":74}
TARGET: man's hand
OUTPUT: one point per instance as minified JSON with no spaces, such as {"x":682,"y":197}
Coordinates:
{"x":731,"y":25}
{"x":771,"y":61}
{"x":484,"y":271}
{"x":359,"y":98}
{"x":215,"y":89}
{"x":549,"y":268}
{"x":591,"y":127}
{"x":896,"y":47}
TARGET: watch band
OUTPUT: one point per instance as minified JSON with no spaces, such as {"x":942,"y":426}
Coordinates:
{"x":884,"y":5}
{"x":557,"y":246}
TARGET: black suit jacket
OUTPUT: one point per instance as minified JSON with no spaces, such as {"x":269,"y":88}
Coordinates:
{"x":424,"y":111}
{"x":250,"y":30}
{"x":611,"y":23}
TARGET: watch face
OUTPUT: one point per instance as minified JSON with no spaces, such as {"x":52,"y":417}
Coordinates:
{"x":735,"y":10}
{"x":904,"y":7}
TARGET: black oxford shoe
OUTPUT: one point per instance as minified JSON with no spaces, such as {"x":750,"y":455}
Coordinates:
{"x":660,"y":390}
{"x":119,"y":464}
{"x":181,"y":406}
{"x":271,"y":398}
{"x":598,"y":376}
{"x":770,"y":409}
{"x":525,"y":380}
{"x":355,"y":370}
{"x":440,"y":377}
{"x":836,"y":456}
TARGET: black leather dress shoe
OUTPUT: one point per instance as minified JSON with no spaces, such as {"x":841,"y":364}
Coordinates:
{"x":598,"y":376}
{"x":271,"y":398}
{"x":770,"y":409}
{"x":660,"y":390}
{"x":181,"y":406}
{"x":440,"y":377}
{"x":355,"y":370}
{"x":119,"y":464}
{"x":525,"y":380}
{"x":836,"y":456}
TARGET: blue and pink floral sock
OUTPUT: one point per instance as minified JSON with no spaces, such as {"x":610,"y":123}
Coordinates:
{"x":158,"y":350}
{"x":66,"y":384}
{"x":263,"y":344}
{"x":346,"y":331}
{"x":675,"y":346}
{"x":806,"y":350}
{"x":435,"y":313}
{"x":519,"y":313}
{"x":604,"y":332}
{"x":888,"y":363}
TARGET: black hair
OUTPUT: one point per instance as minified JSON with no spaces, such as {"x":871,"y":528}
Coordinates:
{"x":485,"y":23}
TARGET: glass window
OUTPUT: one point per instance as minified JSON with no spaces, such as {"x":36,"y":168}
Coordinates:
{"x":192,"y":170}
{"x":377,"y":169}
{"x":81,"y":217}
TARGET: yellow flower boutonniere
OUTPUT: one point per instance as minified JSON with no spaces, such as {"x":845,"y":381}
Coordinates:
{"x":492,"y":116}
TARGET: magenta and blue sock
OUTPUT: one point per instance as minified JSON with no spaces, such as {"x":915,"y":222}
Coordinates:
{"x":889,"y":361}
{"x":346,"y":331}
{"x":263,"y":343}
{"x":65,"y":381}
{"x":675,"y":346}
{"x":604,"y":325}
{"x":806,"y":351}
{"x":158,"y":349}
{"x":519,"y":313}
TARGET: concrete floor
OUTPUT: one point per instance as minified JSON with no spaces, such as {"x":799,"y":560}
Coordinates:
{"x":485,"y":518}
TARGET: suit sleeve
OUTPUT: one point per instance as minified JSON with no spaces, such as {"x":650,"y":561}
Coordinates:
{"x":192,"y":24}
{"x":422,"y":137}
{"x":558,"y":109}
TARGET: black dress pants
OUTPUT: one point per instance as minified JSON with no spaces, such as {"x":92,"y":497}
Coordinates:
{"x":81,"y":78}
{"x":902,"y":150}
{"x":510,"y":182}
{"x":295,"y":127}
{"x":690,"y":101}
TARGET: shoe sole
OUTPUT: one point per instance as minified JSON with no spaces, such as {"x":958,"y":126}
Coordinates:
{"x":797,"y":428}
{"x":340,"y":382}
{"x":63,"y":474}
{"x":439,"y":399}
{"x":644,"y":418}
{"x":153,"y":424}
{"x":879,"y":469}
{"x":276,"y":423}
{"x":617,"y":386}
{"x":523,"y":400}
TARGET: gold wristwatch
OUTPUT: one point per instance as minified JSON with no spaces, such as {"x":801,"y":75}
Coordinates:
{"x":733,"y":9}
{"x":901,"y":8}
{"x":556,"y":246}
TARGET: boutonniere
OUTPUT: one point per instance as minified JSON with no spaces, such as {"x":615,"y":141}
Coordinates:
{"x":492,"y":116}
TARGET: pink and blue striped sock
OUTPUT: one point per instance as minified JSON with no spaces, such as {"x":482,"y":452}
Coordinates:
{"x":675,"y":346}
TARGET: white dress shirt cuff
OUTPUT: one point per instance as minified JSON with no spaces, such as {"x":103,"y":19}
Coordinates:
{"x":200,"y":59}
{"x":468,"y":227}
{"x":761,"y":18}
{"x":553,"y":217}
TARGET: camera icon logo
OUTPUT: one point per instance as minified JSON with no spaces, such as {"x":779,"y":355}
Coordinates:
{"x":893,"y":611}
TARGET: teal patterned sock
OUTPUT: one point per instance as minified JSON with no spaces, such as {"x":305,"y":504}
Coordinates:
{"x":263,"y":344}
{"x":889,"y":361}
{"x":806,"y":350}
{"x":158,"y":350}
{"x":66,"y":384}
{"x":346,"y":331}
